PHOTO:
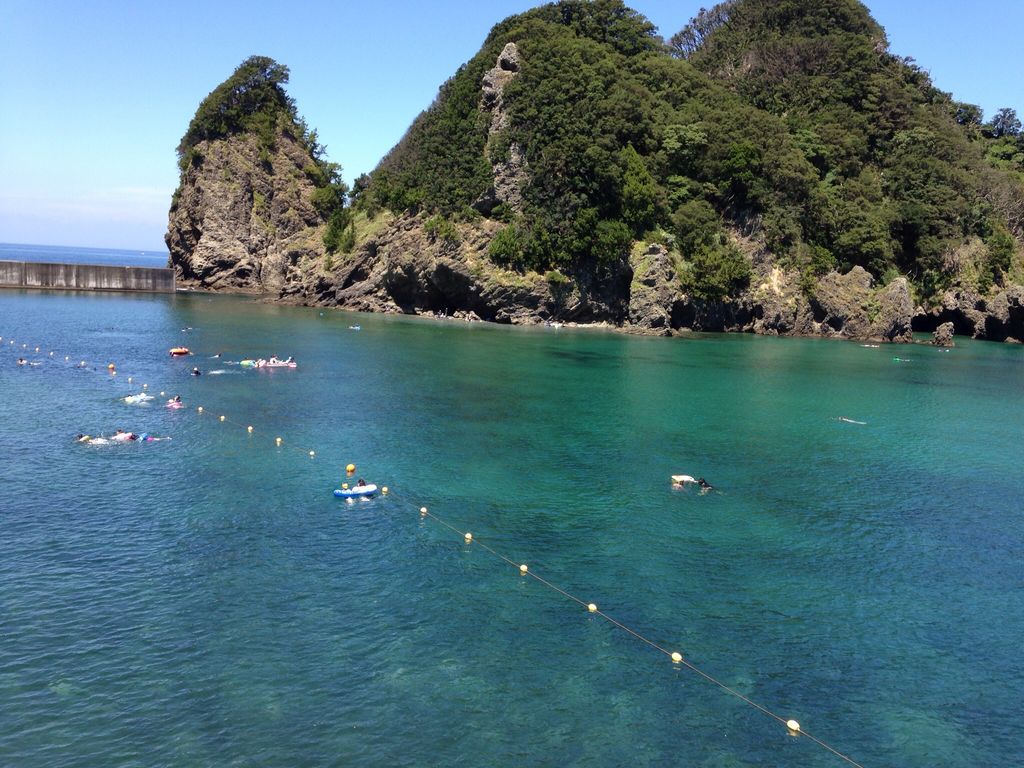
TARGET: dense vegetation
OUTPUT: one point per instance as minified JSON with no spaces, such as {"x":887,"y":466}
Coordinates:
{"x":784,"y":120}
{"x":253,"y":101}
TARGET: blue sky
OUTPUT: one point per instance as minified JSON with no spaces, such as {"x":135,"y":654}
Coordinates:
{"x":97,"y":94}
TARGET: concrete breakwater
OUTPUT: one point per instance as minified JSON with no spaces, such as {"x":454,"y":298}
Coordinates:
{"x":85,"y":277}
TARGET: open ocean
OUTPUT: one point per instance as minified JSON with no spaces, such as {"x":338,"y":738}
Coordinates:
{"x":206,"y":600}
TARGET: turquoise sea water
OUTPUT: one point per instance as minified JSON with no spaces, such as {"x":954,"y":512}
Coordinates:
{"x":206,"y":601}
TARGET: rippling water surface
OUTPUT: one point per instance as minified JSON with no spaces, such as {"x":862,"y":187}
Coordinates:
{"x":206,"y":601}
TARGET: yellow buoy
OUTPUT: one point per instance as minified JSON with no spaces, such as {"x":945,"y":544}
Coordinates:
{"x":312,"y":454}
{"x":110,"y":366}
{"x":344,"y":486}
{"x":677,"y":656}
{"x":592,"y":607}
{"x":249,"y":428}
{"x":277,"y":440}
{"x":794,"y":727}
{"x":384,"y":490}
{"x":523,"y":568}
{"x":350,"y":468}
{"x":469,"y":536}
{"x":221,"y":418}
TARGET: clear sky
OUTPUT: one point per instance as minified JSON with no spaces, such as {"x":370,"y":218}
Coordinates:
{"x":96,"y":95}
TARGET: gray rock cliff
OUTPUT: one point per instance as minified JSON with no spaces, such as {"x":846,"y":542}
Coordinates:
{"x":243,"y":220}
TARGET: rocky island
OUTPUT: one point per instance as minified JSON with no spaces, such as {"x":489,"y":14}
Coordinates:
{"x":770,"y":168}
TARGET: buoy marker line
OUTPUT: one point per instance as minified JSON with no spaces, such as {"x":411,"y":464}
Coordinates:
{"x":791,"y":725}
{"x":469,"y":539}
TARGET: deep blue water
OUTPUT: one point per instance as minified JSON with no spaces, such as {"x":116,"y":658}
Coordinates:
{"x":206,"y":601}
{"x":60,"y":254}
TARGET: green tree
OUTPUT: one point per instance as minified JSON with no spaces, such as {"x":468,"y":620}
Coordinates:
{"x":639,"y":193}
{"x":717,"y":272}
{"x":1005,"y":123}
{"x":249,"y":100}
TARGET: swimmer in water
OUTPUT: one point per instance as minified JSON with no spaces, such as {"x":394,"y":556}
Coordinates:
{"x":196,"y":372}
{"x":704,"y":485}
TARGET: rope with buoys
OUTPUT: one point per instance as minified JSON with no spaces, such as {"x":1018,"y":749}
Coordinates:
{"x":792,"y":726}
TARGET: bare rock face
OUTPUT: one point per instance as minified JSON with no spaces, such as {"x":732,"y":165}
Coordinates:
{"x":508,"y":164}
{"x":1005,"y":319}
{"x":243,"y":222}
{"x":847,"y":306}
{"x":943,"y":336}
{"x":653,"y":291}
{"x":894,"y":314}
{"x":998,"y":317}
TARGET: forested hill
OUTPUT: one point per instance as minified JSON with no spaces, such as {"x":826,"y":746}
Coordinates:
{"x":905,"y":175}
{"x":788,"y":122}
{"x":769,"y":167}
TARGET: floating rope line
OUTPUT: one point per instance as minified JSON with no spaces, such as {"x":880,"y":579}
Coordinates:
{"x":677,"y":658}
{"x":793,"y":727}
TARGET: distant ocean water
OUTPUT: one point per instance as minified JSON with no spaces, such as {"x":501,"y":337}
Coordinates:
{"x":207,"y":601}
{"x":67,"y":255}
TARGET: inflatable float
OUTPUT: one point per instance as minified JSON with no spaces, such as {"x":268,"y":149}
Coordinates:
{"x":179,"y":351}
{"x":271,"y":363}
{"x":356,"y":492}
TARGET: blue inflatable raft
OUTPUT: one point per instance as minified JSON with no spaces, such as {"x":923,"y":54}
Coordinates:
{"x":356,"y":491}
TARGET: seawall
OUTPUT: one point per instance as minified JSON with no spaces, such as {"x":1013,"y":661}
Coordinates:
{"x":85,"y":277}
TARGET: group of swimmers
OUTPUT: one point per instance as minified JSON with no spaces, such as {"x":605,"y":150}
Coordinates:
{"x":119,"y":436}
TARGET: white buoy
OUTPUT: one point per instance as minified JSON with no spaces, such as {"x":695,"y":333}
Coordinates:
{"x":523,"y":568}
{"x":592,"y":607}
{"x":677,"y":656}
{"x":794,"y":726}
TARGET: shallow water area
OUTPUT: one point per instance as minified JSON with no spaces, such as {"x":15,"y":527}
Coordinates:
{"x":206,"y":600}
